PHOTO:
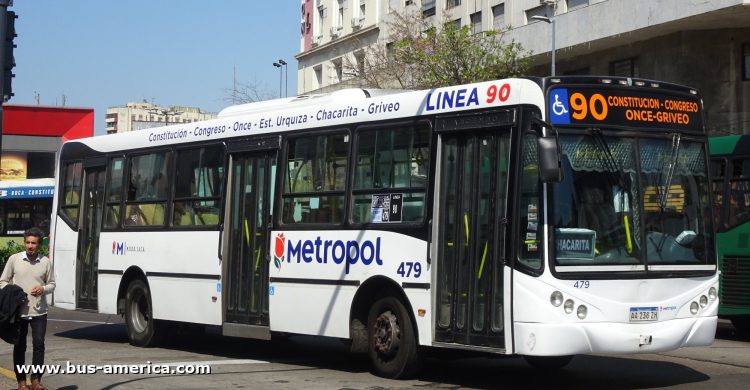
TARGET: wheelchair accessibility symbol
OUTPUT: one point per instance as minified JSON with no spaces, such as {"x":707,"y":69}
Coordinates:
{"x":558,"y":106}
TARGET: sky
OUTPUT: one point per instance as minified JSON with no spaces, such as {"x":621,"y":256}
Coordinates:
{"x":106,"y":53}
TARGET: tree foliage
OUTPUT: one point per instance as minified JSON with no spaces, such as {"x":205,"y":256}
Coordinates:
{"x":417,"y":54}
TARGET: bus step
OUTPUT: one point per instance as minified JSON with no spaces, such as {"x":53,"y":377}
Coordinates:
{"x":246,"y":331}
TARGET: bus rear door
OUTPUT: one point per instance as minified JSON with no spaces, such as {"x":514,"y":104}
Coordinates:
{"x":245,"y":276}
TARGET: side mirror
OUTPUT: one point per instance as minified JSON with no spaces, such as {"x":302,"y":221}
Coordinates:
{"x":550,"y":153}
{"x":550,"y":160}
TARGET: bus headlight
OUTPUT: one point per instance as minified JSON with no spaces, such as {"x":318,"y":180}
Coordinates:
{"x":556,"y":299}
{"x":712,"y":293}
{"x":694,"y":308}
{"x":704,"y":301}
{"x":582,"y":312}
{"x":569,"y":306}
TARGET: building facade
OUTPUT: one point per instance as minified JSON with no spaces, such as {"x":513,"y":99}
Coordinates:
{"x":31,"y":142}
{"x":143,"y":115}
{"x":705,"y":45}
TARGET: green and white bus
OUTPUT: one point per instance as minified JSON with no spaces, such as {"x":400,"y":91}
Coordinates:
{"x":730,"y":169}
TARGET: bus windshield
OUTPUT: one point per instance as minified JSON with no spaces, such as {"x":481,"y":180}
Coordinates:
{"x":610,"y":212}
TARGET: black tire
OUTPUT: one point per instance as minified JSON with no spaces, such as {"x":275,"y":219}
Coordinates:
{"x":143,"y":330}
{"x":392,"y":344}
{"x":548,"y":362}
{"x":742,"y":324}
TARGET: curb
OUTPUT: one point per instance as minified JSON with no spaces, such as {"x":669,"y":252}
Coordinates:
{"x":12,"y":375}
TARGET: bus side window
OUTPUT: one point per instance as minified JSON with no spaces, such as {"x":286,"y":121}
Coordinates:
{"x":530,"y":242}
{"x":69,"y":204}
{"x":718,"y":167}
{"x":390,"y":163}
{"x":315,"y":179}
{"x":114,"y":192}
{"x":739,"y":192}
{"x":147,"y":190}
{"x":200,"y":174}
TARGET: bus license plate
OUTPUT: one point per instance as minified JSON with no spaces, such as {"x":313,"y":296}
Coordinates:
{"x":644,"y":314}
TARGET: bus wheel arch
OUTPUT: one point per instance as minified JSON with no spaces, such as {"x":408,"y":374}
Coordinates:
{"x":381,"y":306}
{"x":142,"y":329}
{"x":364,"y":298}
{"x":130,"y":274}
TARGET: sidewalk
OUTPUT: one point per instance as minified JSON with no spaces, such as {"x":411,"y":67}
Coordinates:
{"x":8,"y":380}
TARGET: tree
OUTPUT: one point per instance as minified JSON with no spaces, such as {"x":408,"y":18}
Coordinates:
{"x":251,"y":92}
{"x":418,"y":54}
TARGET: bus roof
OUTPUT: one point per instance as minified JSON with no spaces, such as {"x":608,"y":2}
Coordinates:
{"x":327,"y":111}
{"x":729,"y":145}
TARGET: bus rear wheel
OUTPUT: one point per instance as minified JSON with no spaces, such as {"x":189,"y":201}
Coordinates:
{"x":391,"y":340}
{"x":143,"y":330}
{"x":548,"y":362}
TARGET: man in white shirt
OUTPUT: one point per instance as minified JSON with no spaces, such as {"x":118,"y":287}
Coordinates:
{"x":33,"y":273}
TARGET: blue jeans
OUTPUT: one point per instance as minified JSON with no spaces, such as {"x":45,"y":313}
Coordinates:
{"x":38,"y":330}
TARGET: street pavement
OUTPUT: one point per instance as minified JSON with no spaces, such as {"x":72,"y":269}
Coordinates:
{"x":307,"y":362}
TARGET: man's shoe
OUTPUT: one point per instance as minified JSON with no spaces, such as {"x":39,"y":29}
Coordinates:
{"x":22,"y":385}
{"x":35,"y":385}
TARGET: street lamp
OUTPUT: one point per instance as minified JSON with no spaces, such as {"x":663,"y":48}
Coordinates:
{"x":280,"y":74}
{"x":286,"y":91}
{"x":548,"y":20}
{"x":166,"y":113}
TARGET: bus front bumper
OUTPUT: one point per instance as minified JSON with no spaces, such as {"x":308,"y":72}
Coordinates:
{"x":612,"y":338}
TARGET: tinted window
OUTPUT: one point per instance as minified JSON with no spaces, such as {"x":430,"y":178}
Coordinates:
{"x":315,"y":179}
{"x":198,"y":181}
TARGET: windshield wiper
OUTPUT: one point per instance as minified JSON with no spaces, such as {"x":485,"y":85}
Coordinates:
{"x":672,"y":168}
{"x":610,"y":162}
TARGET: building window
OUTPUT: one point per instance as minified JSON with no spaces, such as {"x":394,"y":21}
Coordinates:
{"x":541,"y":10}
{"x":579,"y":72}
{"x":452,"y":3}
{"x":476,"y":23}
{"x":132,"y":117}
{"x":746,"y":61}
{"x":319,"y":22}
{"x":498,"y":17}
{"x":428,"y":7}
{"x":337,"y":71}
{"x":624,"y":68}
{"x":575,"y":4}
{"x":456,"y":24}
{"x":318,"y":79}
{"x":361,"y":9}
{"x":340,"y":21}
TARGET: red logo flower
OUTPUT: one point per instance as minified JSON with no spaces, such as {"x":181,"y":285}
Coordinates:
{"x":279,"y":250}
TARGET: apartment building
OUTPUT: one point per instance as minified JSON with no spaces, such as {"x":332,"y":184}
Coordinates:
{"x":144,"y":115}
{"x":702,"y":44}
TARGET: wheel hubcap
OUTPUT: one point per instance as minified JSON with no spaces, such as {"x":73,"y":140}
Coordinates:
{"x":139,"y":314}
{"x":387,"y":333}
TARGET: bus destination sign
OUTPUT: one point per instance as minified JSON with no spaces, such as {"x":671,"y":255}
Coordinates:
{"x":624,"y":107}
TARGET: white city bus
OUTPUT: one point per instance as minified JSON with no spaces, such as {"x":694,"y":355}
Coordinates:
{"x":538,"y":217}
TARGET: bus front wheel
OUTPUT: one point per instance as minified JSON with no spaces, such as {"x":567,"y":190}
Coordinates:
{"x":548,"y":362}
{"x":391,"y":339}
{"x":139,"y":321}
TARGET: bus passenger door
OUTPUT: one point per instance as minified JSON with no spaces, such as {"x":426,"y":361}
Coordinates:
{"x":87,"y":271}
{"x":250,"y":212}
{"x":472,"y":206}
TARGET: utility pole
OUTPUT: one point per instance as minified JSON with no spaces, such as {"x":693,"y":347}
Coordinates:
{"x":7,"y":22}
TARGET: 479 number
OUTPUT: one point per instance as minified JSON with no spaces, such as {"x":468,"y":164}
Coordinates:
{"x":407,"y":269}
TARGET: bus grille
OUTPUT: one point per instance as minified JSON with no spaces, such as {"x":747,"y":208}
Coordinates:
{"x":735,"y":281}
